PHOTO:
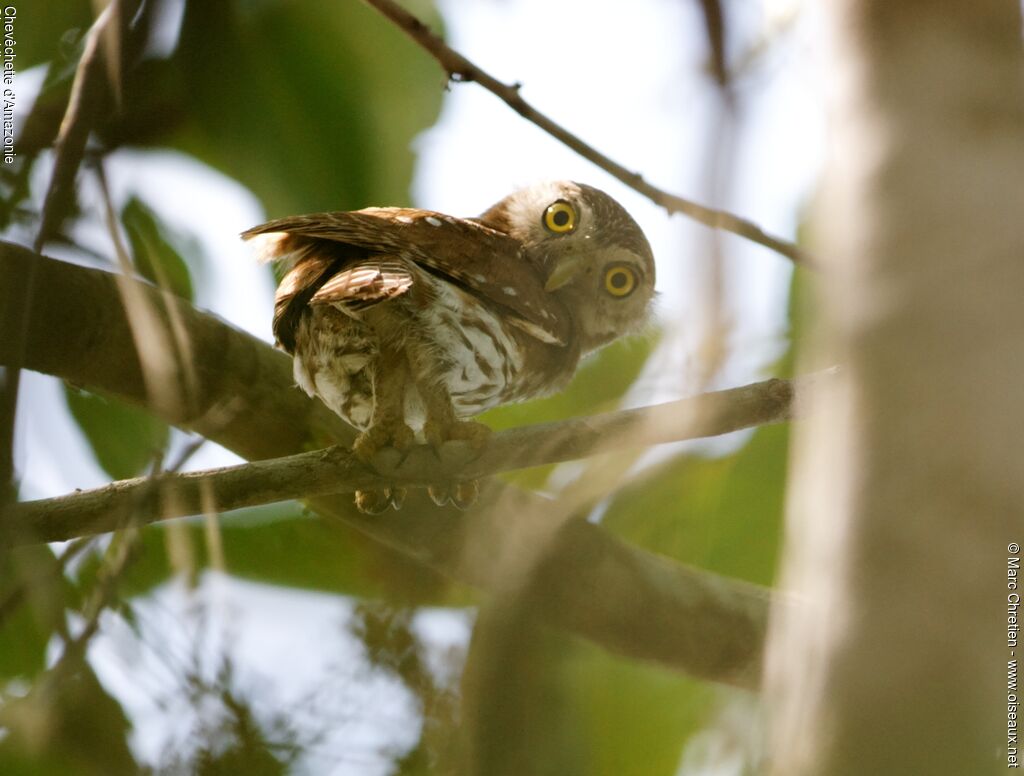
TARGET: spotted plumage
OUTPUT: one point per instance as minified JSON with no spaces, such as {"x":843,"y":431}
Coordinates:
{"x":404,"y":320}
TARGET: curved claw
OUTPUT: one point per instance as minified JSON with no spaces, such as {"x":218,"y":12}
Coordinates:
{"x":465,"y":494}
{"x":439,"y":494}
{"x":461,"y":495}
{"x":375,"y":502}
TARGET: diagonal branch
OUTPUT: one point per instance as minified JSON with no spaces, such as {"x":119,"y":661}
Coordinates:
{"x":334,"y":470}
{"x":587,"y":581}
{"x":459,"y":68}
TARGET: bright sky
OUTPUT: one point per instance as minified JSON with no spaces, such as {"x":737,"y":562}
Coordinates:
{"x":627,"y":82}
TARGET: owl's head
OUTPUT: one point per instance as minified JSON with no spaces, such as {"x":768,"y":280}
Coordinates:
{"x":591,"y":253}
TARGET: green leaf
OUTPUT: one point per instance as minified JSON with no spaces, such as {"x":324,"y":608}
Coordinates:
{"x":724,"y":514}
{"x":40,"y":34}
{"x":571,"y":706}
{"x":124,"y":439}
{"x":313,"y":106}
{"x":636,"y":718}
{"x":280,"y":545}
{"x":155,"y":250}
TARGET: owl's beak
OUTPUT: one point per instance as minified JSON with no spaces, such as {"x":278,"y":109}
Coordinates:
{"x":566,"y":269}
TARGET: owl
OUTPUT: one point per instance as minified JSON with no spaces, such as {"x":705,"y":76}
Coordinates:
{"x":407,"y":322}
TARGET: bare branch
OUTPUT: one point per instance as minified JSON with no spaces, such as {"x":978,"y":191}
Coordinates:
{"x":69,"y":146}
{"x":459,"y":68}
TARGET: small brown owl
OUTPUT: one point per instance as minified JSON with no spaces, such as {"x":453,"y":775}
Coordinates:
{"x":405,"y":320}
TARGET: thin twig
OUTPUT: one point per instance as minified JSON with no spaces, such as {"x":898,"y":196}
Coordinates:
{"x":166,"y":360}
{"x":69,"y":147}
{"x":335,"y":470}
{"x":68,"y":150}
{"x":459,"y":68}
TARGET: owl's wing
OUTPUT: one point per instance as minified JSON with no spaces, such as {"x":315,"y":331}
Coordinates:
{"x":480,"y":260}
{"x":331,"y":273}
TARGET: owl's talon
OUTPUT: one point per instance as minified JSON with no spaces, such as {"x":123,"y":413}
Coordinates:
{"x":461,"y":495}
{"x":439,"y":494}
{"x":433,"y":433}
{"x":373,"y":502}
{"x":465,"y":494}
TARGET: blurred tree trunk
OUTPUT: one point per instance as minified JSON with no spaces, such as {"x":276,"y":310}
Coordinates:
{"x":909,"y":474}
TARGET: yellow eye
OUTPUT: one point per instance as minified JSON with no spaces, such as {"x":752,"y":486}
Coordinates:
{"x":619,"y":280}
{"x":560,"y":217}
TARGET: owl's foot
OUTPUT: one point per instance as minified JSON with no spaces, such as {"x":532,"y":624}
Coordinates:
{"x":380,"y":436}
{"x":455,"y":441}
{"x":461,"y":495}
{"x":371,"y":447}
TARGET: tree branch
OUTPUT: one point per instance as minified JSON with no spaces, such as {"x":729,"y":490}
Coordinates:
{"x":335,"y":470}
{"x":586,"y":580}
{"x":459,"y":68}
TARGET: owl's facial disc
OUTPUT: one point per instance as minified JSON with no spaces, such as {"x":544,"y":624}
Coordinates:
{"x":589,"y":252}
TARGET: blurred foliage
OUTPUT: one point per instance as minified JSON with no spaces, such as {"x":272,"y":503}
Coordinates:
{"x":635,"y":718}
{"x":71,"y":726}
{"x":281,"y":545}
{"x":314,"y":106}
{"x":573,"y":707}
{"x":721,"y":513}
{"x":230,"y":736}
{"x":391,"y":645}
{"x":42,"y":36}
